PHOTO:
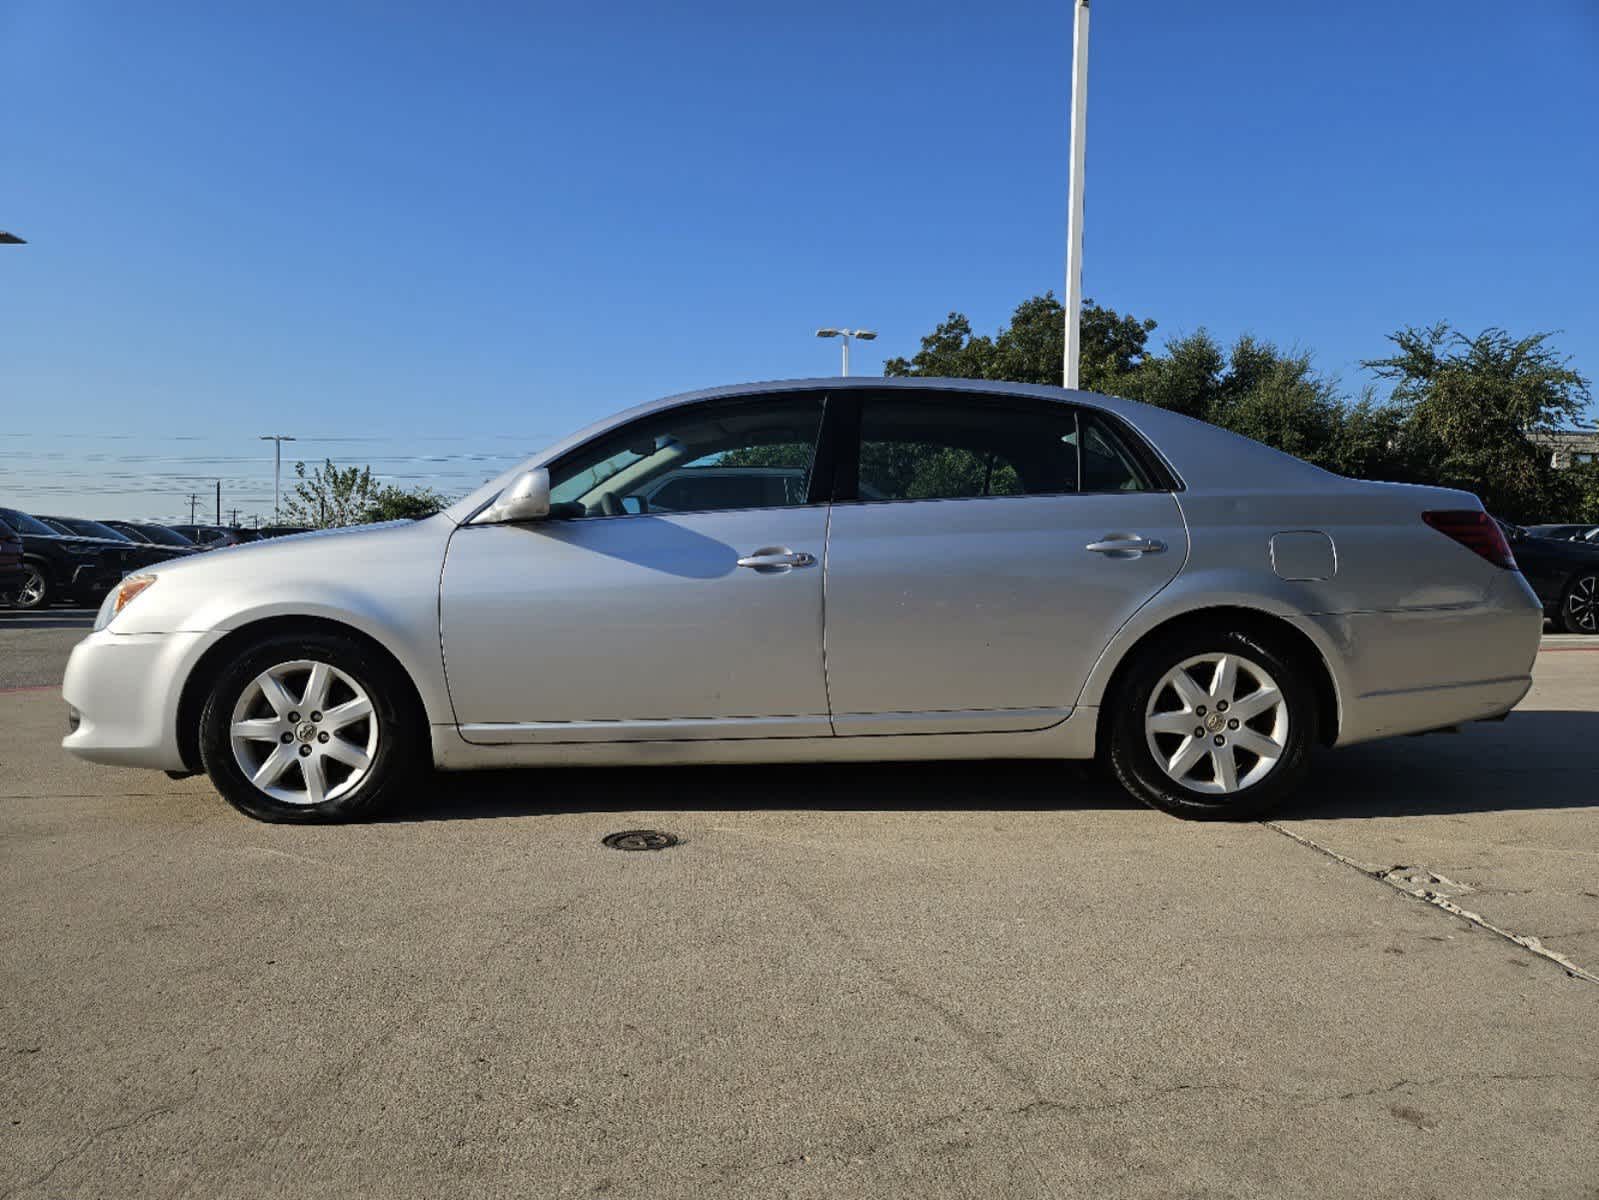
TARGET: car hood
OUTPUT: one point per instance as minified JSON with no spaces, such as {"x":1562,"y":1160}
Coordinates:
{"x":72,"y":539}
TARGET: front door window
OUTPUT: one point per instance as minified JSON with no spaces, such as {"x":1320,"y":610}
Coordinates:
{"x":712,"y":457}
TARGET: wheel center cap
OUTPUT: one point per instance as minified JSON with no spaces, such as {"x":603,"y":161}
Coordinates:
{"x":306,"y":732}
{"x":1215,"y":722}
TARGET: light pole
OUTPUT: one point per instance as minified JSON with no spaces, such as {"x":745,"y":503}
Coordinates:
{"x":1074,"y":193}
{"x":849,"y":335}
{"x":277,"y":440}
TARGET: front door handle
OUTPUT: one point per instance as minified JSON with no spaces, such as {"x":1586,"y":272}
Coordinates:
{"x":772,"y":559}
{"x":1118,"y":544}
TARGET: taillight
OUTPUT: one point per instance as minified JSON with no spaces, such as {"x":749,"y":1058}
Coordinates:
{"x":1477,"y":532}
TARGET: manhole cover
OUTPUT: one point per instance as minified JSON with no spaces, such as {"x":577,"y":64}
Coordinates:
{"x":640,"y":839}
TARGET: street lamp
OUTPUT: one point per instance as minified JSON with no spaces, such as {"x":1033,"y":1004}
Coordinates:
{"x":849,"y":335}
{"x":277,"y":440}
{"x":1074,"y":194}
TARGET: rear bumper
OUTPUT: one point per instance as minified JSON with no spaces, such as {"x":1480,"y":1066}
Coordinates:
{"x":124,"y":690}
{"x":1409,"y":672}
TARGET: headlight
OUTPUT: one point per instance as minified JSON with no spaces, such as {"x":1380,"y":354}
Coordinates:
{"x":119,"y":597}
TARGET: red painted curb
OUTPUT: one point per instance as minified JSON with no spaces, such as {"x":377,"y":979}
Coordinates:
{"x":40,"y":687}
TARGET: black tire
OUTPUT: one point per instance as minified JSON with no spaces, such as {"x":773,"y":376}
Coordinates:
{"x":45,"y":593}
{"x":401,"y":730}
{"x":1133,"y":762}
{"x":1579,"y":604}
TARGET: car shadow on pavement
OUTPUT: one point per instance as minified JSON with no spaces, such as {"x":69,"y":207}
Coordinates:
{"x":1000,"y":785}
{"x":24,"y":619}
{"x":1535,"y":760}
{"x":1543,"y":759}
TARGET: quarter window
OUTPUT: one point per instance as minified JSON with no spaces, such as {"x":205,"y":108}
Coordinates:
{"x":1107,"y":464}
{"x":700,"y":458}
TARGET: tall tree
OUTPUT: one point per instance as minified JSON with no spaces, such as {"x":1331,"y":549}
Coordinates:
{"x":331,"y":496}
{"x":1471,"y":407}
{"x":1032,"y":347}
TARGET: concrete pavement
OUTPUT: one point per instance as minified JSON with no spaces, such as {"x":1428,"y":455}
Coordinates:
{"x":955,"y":980}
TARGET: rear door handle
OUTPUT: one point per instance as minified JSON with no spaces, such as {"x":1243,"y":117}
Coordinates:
{"x":772,"y":559}
{"x":1126,"y":544}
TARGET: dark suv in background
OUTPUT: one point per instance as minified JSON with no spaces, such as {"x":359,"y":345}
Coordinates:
{"x":57,"y":566}
{"x":152,"y":534}
{"x":144,"y":554}
{"x":1565,"y":574}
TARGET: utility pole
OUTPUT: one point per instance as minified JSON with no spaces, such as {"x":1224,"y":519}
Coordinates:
{"x":1074,"y":194}
{"x":277,"y":440}
{"x":233,"y":518}
{"x":219,"y":502}
{"x":194,"y":499}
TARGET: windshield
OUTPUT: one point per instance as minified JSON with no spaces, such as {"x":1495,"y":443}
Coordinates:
{"x":163,"y":535}
{"x":92,"y":529}
{"x":23,"y":523}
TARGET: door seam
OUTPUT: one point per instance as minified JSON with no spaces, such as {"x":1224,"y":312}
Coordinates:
{"x":827,"y":681}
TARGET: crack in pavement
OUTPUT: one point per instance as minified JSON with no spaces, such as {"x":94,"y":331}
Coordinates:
{"x":1407,"y":879}
{"x":89,"y":1139}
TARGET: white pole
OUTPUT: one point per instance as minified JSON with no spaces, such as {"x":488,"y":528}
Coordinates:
{"x":846,"y":338}
{"x":1074,"y":203}
{"x":277,"y":440}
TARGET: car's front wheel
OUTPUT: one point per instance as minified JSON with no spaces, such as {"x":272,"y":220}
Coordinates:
{"x":1579,"y":609}
{"x":36,"y":590}
{"x":1212,"y":725}
{"x":309,"y":727}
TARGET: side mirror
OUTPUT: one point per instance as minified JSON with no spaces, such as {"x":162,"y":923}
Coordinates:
{"x":527,"y":499}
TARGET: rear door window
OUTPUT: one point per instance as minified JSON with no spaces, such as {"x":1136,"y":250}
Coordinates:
{"x":940,"y":447}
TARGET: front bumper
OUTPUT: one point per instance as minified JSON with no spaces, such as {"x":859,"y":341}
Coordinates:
{"x":124,"y":690}
{"x":94,"y":579}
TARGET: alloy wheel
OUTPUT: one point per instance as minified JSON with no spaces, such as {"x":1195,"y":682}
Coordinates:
{"x":1217,"y":723}
{"x":304,"y":732}
{"x":1582,"y":605}
{"x":31,"y":593}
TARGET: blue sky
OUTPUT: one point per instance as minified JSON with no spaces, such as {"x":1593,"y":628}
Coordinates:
{"x":445,"y":234}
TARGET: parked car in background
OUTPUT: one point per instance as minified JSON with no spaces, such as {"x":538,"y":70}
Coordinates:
{"x":143,"y":553}
{"x":273,"y":531}
{"x":63,"y":567}
{"x":209,"y":537}
{"x":152,"y":534}
{"x":12,"y":572}
{"x":1565,"y":574}
{"x":1564,"y":533}
{"x":1008,"y":571}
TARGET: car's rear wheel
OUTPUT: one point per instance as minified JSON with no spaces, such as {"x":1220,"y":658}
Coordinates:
{"x":37,"y":589}
{"x":312,"y":727}
{"x":1579,"y":608}
{"x":1212,"y":725}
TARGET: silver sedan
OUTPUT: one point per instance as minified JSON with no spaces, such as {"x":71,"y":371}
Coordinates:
{"x":829,"y":570}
